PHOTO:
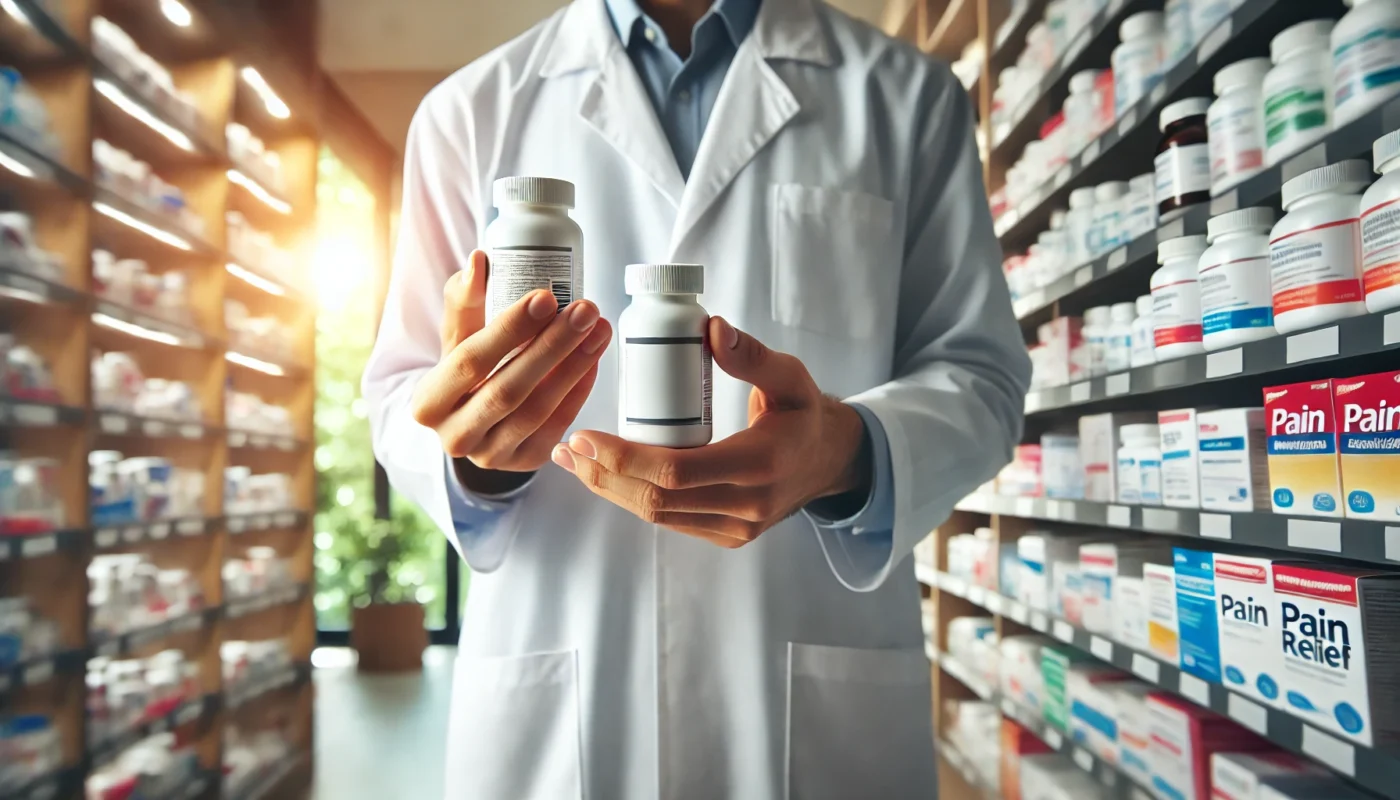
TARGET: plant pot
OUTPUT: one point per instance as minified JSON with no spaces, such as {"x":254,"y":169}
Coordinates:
{"x":388,"y":637}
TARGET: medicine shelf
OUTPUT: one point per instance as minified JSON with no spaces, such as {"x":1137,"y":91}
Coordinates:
{"x":38,"y":671}
{"x":61,"y":783}
{"x":110,"y":536}
{"x":239,"y":607}
{"x":203,"y":781}
{"x":254,"y":440}
{"x":266,"y":363}
{"x":268,"y":198}
{"x":236,"y":697}
{"x":122,"y":216}
{"x":119,"y":423}
{"x":259,"y":788}
{"x":265,"y":521}
{"x":25,"y":286}
{"x":39,"y":25}
{"x":963,"y":767}
{"x":149,"y":327}
{"x":20,"y":412}
{"x":126,"y":104}
{"x":1011,"y":39}
{"x":111,"y":646}
{"x":39,"y":545}
{"x":260,"y":279}
{"x":19,"y":158}
{"x":1374,"y":542}
{"x":200,"y":709}
{"x":1373,"y":770}
{"x":1365,"y":335}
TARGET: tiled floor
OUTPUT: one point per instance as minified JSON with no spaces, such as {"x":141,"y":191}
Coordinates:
{"x":379,"y":736}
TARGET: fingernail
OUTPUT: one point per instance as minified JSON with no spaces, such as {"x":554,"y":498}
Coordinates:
{"x":582,"y":446}
{"x":727,"y":335}
{"x":583,"y":315}
{"x":541,"y":305}
{"x":594,"y":342}
{"x":563,"y":457}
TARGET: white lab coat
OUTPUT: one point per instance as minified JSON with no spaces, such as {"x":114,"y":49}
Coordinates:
{"x":837,"y":204}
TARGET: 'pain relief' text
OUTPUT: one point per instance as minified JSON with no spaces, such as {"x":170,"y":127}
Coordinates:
{"x":1315,"y":638}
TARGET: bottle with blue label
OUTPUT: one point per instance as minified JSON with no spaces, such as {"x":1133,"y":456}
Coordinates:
{"x":1196,"y":613}
{"x":1235,"y":284}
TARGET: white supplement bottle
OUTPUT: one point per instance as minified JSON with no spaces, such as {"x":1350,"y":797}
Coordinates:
{"x":533,"y":243}
{"x":1177,"y":40}
{"x":1297,"y":93}
{"x":1236,"y":293}
{"x":1118,"y":355}
{"x":1315,"y":250}
{"x":1206,"y":14}
{"x":1137,"y":61}
{"x":1365,"y":58}
{"x":1140,"y":442}
{"x":1380,"y":229}
{"x":1140,"y":216}
{"x":1078,"y":222}
{"x":1081,"y":110}
{"x":1236,"y":128}
{"x":1106,"y":232}
{"x":666,"y":366}
{"x":1095,"y":333}
{"x":1149,"y":463}
{"x":1176,"y":298}
{"x":1144,"y":344}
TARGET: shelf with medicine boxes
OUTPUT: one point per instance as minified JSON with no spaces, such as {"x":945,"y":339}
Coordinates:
{"x":263,"y":441}
{"x":265,"y":784}
{"x":25,"y":286}
{"x":19,"y":412}
{"x":118,"y":644}
{"x":19,"y":547}
{"x":110,"y":536}
{"x":256,"y":687}
{"x":200,"y":710}
{"x":34,"y":30}
{"x":23,"y":163}
{"x":38,"y":671}
{"x":238,"y":607}
{"x":981,"y":784}
{"x":267,"y":521}
{"x":60,"y":783}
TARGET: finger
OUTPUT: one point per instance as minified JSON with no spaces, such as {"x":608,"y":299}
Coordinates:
{"x":468,"y":364}
{"x":536,"y":448}
{"x":778,"y":375}
{"x":748,"y":458}
{"x":464,"y":302}
{"x":517,"y":380}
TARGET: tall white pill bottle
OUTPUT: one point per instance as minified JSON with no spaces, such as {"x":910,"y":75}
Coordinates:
{"x":1315,"y":250}
{"x":1236,"y":124}
{"x":1365,"y":57}
{"x":1298,"y":90}
{"x":666,"y":365}
{"x":1144,"y":345}
{"x":1380,"y":229}
{"x":533,"y":243}
{"x":1177,"y":40}
{"x":1236,"y":292}
{"x":1176,"y":298}
{"x":1137,"y":60}
{"x":1206,"y":14}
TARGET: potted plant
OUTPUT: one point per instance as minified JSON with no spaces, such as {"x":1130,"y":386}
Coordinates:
{"x":386,"y":624}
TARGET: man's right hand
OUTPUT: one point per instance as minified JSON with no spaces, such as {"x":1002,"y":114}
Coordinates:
{"x":511,"y":420}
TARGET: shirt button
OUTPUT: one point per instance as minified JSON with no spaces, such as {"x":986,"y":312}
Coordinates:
{"x":650,"y":34}
{"x":683,"y":95}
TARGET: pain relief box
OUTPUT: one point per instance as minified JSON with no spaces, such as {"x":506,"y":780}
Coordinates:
{"x":1181,"y":476}
{"x":1248,"y":626}
{"x":1339,"y":642}
{"x":1304,"y":473}
{"x":1196,"y":613}
{"x":1368,"y":434}
{"x":1233,"y":452}
{"x":1183,"y":737}
{"x":1236,"y":776}
{"x":1162,"y":627}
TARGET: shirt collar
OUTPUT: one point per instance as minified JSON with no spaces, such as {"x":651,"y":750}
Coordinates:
{"x":738,"y":17}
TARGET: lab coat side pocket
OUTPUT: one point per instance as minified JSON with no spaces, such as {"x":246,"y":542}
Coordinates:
{"x":833,"y":260}
{"x":859,"y":724}
{"x":514,"y":729}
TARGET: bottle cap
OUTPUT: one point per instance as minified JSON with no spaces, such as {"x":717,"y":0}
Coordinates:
{"x":1083,"y":81}
{"x":1082,"y":197}
{"x":1343,"y":177}
{"x":1110,"y":191}
{"x":1143,"y":23}
{"x":1181,"y":109}
{"x":1259,"y":220}
{"x":1183,"y":247}
{"x":1123,"y":312}
{"x":1057,"y":219}
{"x":1140,"y":432}
{"x":1315,"y":33}
{"x":537,"y":191}
{"x":664,"y":279}
{"x":1144,"y":305}
{"x":1249,"y":72}
{"x":1097,"y":315}
{"x":1386,"y":148}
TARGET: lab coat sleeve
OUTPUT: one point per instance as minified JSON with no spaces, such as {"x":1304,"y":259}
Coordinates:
{"x":876,"y":515}
{"x":437,"y":232}
{"x":954,"y":410}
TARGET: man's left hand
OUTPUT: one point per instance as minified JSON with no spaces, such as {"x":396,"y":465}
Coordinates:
{"x":799,"y":446}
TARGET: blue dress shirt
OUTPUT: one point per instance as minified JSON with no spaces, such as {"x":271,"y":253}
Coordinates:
{"x":683,"y":93}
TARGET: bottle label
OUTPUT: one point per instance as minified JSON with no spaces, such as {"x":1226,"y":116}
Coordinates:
{"x":1137,"y":69}
{"x":1366,"y":63}
{"x":1317,"y":266}
{"x":1236,"y":142}
{"x":667,"y":380}
{"x":1380,"y":246}
{"x":1182,"y":171}
{"x":517,"y":271}
{"x":1294,"y":109}
{"x":1236,"y":294}
{"x":1176,"y":313}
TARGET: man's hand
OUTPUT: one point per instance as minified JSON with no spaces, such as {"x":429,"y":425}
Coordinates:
{"x":799,"y":446}
{"x":509,"y":420}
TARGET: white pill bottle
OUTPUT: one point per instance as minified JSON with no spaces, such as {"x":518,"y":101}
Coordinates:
{"x":1380,"y":229}
{"x":1365,"y":57}
{"x":1235,"y":124}
{"x":666,"y":384}
{"x":1144,"y":348}
{"x":1236,"y":291}
{"x":1176,"y":298}
{"x":1140,"y":444}
{"x":1297,"y":92}
{"x":533,"y":243}
{"x":1315,"y":250}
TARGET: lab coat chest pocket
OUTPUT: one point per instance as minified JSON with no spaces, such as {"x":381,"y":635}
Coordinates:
{"x":833,"y":260}
{"x":859,"y":724}
{"x":514,"y":729}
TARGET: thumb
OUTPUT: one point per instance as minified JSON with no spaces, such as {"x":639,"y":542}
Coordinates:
{"x":778,"y":375}
{"x":464,"y":302}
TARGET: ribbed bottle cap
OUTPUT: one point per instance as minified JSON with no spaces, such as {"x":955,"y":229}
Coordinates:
{"x":1343,"y":177}
{"x":1249,"y":72}
{"x":1082,"y":197}
{"x":1386,"y":148}
{"x":1084,"y":81}
{"x":1183,"y":247}
{"x":1110,"y":191}
{"x":664,"y":279}
{"x":1144,"y":305}
{"x":538,"y":191}
{"x":1181,"y":109}
{"x":1315,"y":33}
{"x":1246,"y":219}
{"x":1143,"y":23}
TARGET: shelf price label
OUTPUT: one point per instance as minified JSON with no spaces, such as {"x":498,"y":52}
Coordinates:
{"x":32,"y":414}
{"x":1101,"y":648}
{"x":190,"y":527}
{"x":160,"y":530}
{"x":114,"y":424}
{"x":1053,"y":738}
{"x":36,"y":546}
{"x":1083,"y":759}
{"x":106,"y":537}
{"x":285,"y":519}
{"x":1146,"y":668}
{"x":1064,"y":631}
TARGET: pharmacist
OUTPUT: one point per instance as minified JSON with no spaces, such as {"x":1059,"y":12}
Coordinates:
{"x":739,"y":620}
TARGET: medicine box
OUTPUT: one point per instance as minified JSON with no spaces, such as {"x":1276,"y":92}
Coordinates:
{"x":1181,"y":477}
{"x":1101,"y":565}
{"x":1236,"y":776}
{"x":1196,"y":614}
{"x":1340,"y":642}
{"x":1016,"y":743}
{"x":1304,"y":472}
{"x":1046,"y":561}
{"x":1020,"y":670}
{"x":1099,"y":440}
{"x":1062,"y":475}
{"x":1057,"y":663}
{"x":1184,"y":736}
{"x":1094,"y":700}
{"x":1134,"y":737}
{"x":1163,"y":634}
{"x":1308,"y":787}
{"x":1054,"y":777}
{"x":1130,"y":613}
{"x":1061,"y":336}
{"x":1248,"y":626}
{"x":1368,"y":415}
{"x":1233,"y":460}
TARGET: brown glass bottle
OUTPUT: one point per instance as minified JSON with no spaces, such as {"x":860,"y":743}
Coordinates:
{"x":1183,"y":157}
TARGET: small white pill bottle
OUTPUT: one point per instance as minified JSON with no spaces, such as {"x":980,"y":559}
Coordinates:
{"x":1144,"y":347}
{"x":1118,"y":355}
{"x":533,"y":243}
{"x":1297,"y":92}
{"x":1095,"y":333}
{"x":1235,"y":124}
{"x":1176,"y":298}
{"x":1079,"y":221}
{"x":1236,"y":292}
{"x":666,"y":366}
{"x":1315,"y":250}
{"x":1106,"y":231}
{"x":1140,"y":444}
{"x":1380,"y":229}
{"x":1207,"y":14}
{"x":1178,"y":41}
{"x":1140,"y":206}
{"x":1365,"y":58}
{"x":1137,"y":61}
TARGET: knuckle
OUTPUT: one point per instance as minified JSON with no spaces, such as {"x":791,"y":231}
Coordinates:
{"x":668,"y":474}
{"x":495,"y":401}
{"x":651,"y":503}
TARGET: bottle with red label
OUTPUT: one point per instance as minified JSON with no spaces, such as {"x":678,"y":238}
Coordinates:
{"x":1176,"y":298}
{"x":1315,"y":250}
